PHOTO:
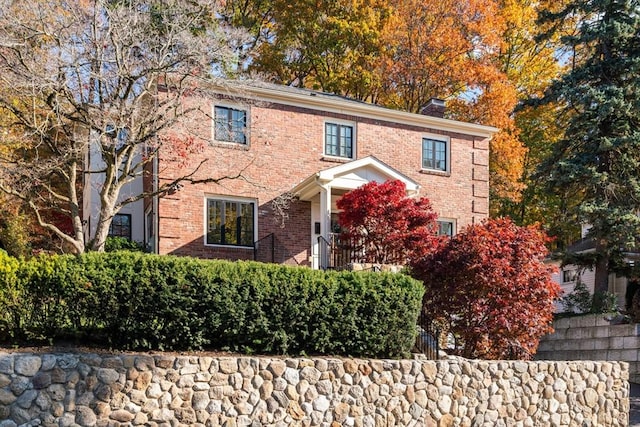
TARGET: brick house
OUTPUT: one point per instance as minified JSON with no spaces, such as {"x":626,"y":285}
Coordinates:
{"x":280,"y":142}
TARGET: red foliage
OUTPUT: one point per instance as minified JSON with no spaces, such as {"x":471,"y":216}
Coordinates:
{"x":179,"y":149}
{"x":492,"y":289}
{"x":60,"y":220}
{"x":387,"y":226}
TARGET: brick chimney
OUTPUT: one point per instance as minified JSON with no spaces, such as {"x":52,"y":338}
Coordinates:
{"x":435,"y":107}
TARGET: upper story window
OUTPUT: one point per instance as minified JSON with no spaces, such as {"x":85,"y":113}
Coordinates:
{"x":230,"y":125}
{"x":121,"y":226}
{"x":434,"y":154}
{"x":338,"y":140}
{"x":446,"y":227}
{"x":119,"y":136}
{"x":230,"y":222}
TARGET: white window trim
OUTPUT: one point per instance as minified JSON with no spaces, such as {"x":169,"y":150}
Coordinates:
{"x":447,"y":141}
{"x":354,"y":138}
{"x":454,"y":224}
{"x":228,"y":199}
{"x":233,"y":106}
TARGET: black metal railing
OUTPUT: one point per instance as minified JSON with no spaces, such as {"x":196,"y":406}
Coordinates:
{"x":264,"y":249}
{"x":429,"y":336}
{"x":324,"y":251}
{"x":348,"y":250}
{"x":344,"y":251}
{"x":337,"y":253}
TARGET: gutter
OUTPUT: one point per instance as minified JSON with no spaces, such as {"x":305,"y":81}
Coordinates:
{"x":321,"y":102}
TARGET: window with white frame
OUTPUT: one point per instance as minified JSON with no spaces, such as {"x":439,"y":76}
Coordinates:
{"x":338,"y":140}
{"x":446,"y":227}
{"x":230,"y":124}
{"x":434,"y":154}
{"x":569,"y":276}
{"x":120,"y":226}
{"x":230,"y":222}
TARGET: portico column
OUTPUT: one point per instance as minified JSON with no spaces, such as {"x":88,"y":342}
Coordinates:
{"x":325,"y":218}
{"x":325,"y":211}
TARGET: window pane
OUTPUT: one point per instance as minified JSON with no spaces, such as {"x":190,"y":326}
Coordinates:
{"x":345,"y":141}
{"x":230,"y":223}
{"x":246,"y":224}
{"x":230,"y":125}
{"x":331,"y":139}
{"x":238,"y":126}
{"x":123,"y":134}
{"x":569,"y":276}
{"x":214,"y":224}
{"x":338,"y":140}
{"x":120,"y":226}
{"x":441,"y":159}
{"x":221,"y":119}
{"x":434,"y":154}
{"x":427,"y":154}
{"x":445,"y":228}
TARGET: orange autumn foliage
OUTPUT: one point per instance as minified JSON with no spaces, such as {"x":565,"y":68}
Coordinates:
{"x":399,"y":54}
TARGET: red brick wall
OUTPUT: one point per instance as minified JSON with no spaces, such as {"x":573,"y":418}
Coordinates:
{"x":285,"y":147}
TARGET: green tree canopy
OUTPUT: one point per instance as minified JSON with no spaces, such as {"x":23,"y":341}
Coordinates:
{"x":598,"y":157}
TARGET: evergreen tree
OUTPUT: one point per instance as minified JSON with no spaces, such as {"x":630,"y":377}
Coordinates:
{"x":598,"y":158}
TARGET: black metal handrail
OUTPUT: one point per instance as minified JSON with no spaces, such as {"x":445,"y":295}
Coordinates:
{"x":324,"y":249}
{"x":268,"y":243}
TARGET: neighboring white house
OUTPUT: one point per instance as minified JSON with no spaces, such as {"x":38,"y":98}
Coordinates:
{"x":127,"y":222}
{"x":570,"y":275}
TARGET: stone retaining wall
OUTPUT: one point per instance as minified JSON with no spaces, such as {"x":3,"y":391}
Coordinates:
{"x":593,"y":337}
{"x":119,"y":390}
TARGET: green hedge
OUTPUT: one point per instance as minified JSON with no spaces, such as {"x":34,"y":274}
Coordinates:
{"x":129,"y":300}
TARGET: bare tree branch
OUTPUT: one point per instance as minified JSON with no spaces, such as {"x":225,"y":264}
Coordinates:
{"x":90,"y":90}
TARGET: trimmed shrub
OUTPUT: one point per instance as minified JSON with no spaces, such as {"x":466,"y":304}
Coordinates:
{"x":130,"y":300}
{"x":116,"y":243}
{"x":11,"y":296}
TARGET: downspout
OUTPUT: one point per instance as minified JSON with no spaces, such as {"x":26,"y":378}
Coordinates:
{"x":155,"y":207}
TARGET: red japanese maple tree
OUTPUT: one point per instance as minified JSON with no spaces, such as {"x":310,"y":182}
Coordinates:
{"x":491,"y":287}
{"x":385,"y":225}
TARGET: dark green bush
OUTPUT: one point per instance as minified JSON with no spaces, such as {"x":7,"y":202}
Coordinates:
{"x":130,"y":300}
{"x":116,"y":243}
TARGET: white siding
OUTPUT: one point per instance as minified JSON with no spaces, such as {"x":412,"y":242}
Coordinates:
{"x":617,"y":285}
{"x":91,"y":198}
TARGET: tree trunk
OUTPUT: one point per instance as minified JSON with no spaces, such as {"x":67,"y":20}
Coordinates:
{"x":104,"y":221}
{"x":99,"y":240}
{"x":601,"y":282}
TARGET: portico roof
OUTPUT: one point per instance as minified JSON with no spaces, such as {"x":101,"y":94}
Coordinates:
{"x":351,"y":175}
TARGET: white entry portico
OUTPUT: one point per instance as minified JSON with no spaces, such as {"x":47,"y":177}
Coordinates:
{"x":324,"y":188}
